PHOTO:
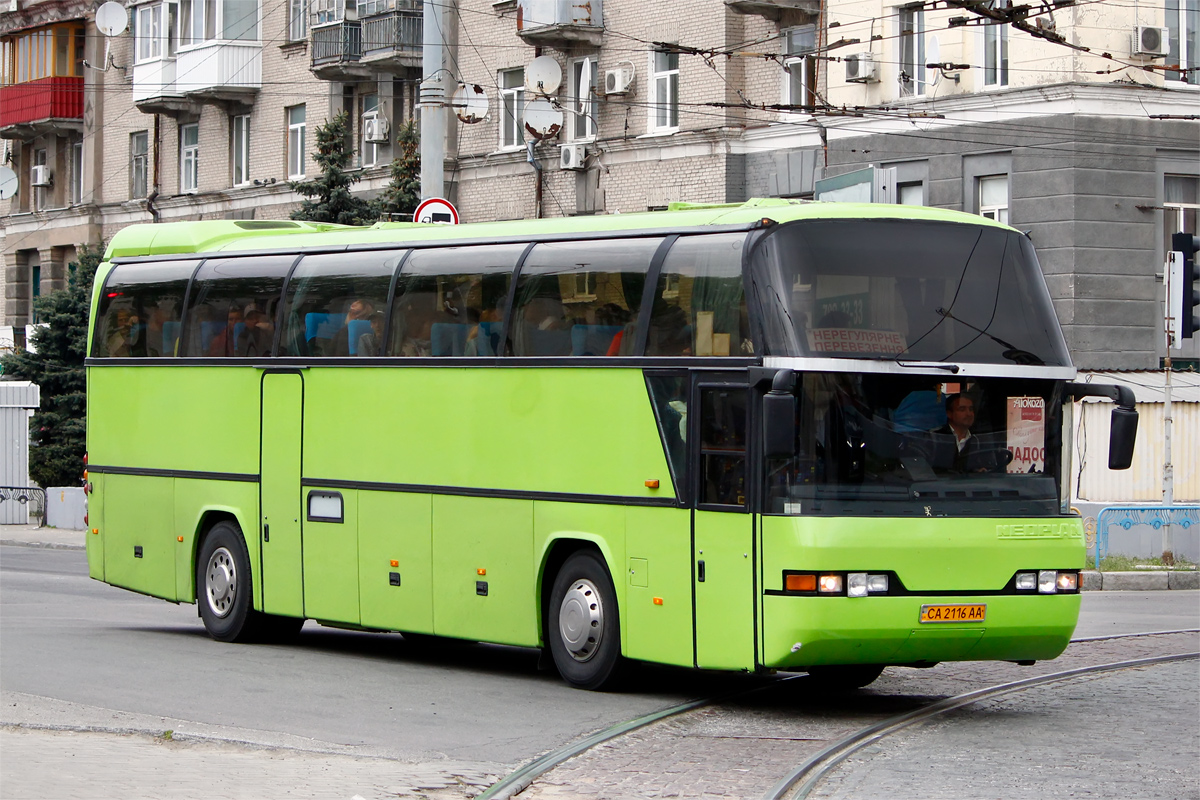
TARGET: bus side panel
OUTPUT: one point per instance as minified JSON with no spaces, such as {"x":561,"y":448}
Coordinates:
{"x":396,"y":527}
{"x":331,"y":564}
{"x":658,"y":609}
{"x":494,"y":535}
{"x":95,"y":516}
{"x":139,"y":534}
{"x":602,"y":526}
{"x":193,"y":500}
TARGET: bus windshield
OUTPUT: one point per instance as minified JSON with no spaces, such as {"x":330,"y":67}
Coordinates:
{"x":905,"y":290}
{"x":892,"y":445}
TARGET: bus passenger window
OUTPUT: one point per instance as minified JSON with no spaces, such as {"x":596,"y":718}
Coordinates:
{"x":451,"y":301}
{"x":581,"y":298}
{"x":699,"y":304}
{"x":233,"y":306}
{"x":140,"y":310}
{"x":723,"y":446}
{"x":335,"y":304}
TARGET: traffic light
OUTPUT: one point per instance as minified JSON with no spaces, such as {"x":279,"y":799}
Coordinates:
{"x":1186,"y":297}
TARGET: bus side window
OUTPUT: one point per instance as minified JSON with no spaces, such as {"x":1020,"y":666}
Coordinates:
{"x":336,"y":302}
{"x":140,"y":310}
{"x":699,"y":304}
{"x":669,"y":397}
{"x":232,"y":308}
{"x":581,"y":298}
{"x":723,"y":446}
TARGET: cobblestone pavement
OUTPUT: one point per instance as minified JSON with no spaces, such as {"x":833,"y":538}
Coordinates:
{"x":741,"y":749}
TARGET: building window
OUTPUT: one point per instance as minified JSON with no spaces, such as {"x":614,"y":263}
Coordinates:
{"x":512,"y":104}
{"x":240,"y":149}
{"x":209,"y":20}
{"x":138,"y":158}
{"x":48,"y":52}
{"x":993,"y":197}
{"x":1183,"y":19}
{"x":297,"y":20}
{"x":295,"y":141}
{"x":40,"y":159}
{"x":912,"y":51}
{"x":584,"y":71}
{"x":370,"y":113}
{"x":35,"y":285}
{"x":664,"y":108}
{"x":800,"y":66}
{"x":1181,"y":204}
{"x":76,"y":173}
{"x":189,"y":157}
{"x":995,"y":53}
{"x":149,"y":41}
{"x":911,"y":194}
{"x":327,"y":11}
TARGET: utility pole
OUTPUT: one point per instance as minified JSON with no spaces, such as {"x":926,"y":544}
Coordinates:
{"x":433,"y":101}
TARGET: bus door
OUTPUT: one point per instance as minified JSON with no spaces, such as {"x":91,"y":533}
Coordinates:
{"x":279,"y":486}
{"x":723,"y":555}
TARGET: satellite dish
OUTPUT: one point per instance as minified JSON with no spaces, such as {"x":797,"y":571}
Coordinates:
{"x":543,"y":75}
{"x":8,"y":183}
{"x":111,"y":18}
{"x":542,"y":120}
{"x":933,"y":55}
{"x":470,"y":103}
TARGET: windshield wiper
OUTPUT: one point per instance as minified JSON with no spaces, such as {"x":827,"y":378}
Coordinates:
{"x":1012,"y":352}
{"x":926,"y":365}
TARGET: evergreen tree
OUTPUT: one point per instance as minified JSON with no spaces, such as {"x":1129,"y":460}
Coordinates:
{"x":58,"y":429}
{"x":403,"y":194}
{"x":332,"y":200}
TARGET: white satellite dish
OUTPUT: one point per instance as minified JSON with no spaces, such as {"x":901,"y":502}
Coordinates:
{"x":933,"y":55}
{"x":542,"y":120}
{"x":8,"y":183}
{"x":543,"y":75}
{"x":470,"y":103}
{"x":111,"y":19}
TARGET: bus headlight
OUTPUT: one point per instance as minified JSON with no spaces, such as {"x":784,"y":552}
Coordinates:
{"x":1047,"y":581}
{"x":829,"y":584}
{"x":1026,"y":581}
{"x":856,"y":584}
{"x":1068,"y":581}
{"x":877,"y":583}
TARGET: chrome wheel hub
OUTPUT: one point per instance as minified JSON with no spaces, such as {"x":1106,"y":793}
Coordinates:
{"x":581,"y":620}
{"x":220,"y":582}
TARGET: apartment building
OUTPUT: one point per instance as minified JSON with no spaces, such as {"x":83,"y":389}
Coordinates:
{"x":1068,"y":120}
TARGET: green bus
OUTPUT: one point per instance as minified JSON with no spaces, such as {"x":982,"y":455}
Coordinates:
{"x":729,"y":437}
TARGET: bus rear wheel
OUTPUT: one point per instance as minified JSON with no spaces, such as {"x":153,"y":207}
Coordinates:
{"x":583,"y":626}
{"x":845,"y":676}
{"x":223,"y":586}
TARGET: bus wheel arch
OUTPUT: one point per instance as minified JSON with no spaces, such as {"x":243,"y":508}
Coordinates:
{"x":582,"y":620}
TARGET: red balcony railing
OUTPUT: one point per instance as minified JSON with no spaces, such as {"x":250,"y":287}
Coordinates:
{"x":43,"y":99}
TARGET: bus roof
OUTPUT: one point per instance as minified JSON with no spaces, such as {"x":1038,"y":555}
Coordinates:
{"x":242,"y":235}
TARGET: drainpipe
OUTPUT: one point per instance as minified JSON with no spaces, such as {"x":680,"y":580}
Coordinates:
{"x":154,"y":190}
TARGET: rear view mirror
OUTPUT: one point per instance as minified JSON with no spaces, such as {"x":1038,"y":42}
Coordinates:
{"x":779,"y":425}
{"x":1122,"y":436}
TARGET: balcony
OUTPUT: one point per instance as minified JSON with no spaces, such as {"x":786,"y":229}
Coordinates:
{"x":155,"y":90}
{"x":337,"y":51}
{"x":560,"y":23}
{"x":773,"y":9}
{"x":37,"y":107}
{"x":392,"y":41}
{"x":220,"y":71}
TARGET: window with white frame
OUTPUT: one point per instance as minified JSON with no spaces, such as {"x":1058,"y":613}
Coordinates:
{"x":1181,"y":205}
{"x":327,"y":11}
{"x":1183,"y":20}
{"x":138,"y":160}
{"x":993,"y":197}
{"x":239,"y":128}
{"x":912,"y":50}
{"x":370,"y":113}
{"x":995,"y":53}
{"x":76,"y":172}
{"x":295,"y":141}
{"x":512,"y":105}
{"x":40,"y":159}
{"x":209,"y":20}
{"x":582,"y":124}
{"x":189,"y":158}
{"x":664,"y":83}
{"x":800,"y":66}
{"x":146,"y":32}
{"x":297,"y":20}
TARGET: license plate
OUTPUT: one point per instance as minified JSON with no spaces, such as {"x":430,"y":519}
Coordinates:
{"x":968,"y":612}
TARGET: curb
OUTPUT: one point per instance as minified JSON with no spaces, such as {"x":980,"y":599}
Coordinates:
{"x":1139,"y":581}
{"x":43,"y":545}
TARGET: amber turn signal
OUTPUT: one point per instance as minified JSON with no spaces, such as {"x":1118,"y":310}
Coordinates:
{"x":658,"y":601}
{"x":95,"y":530}
{"x":480,"y":571}
{"x":179,"y":538}
{"x":652,"y":483}
{"x":800,"y":583}
{"x":394,"y":563}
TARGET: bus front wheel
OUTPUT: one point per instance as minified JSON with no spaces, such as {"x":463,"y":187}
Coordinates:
{"x":584,"y":629}
{"x":223,"y":585}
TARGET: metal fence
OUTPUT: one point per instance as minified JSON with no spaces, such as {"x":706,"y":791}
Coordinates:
{"x":396,"y":31}
{"x":26,"y":495}
{"x":341,"y":41}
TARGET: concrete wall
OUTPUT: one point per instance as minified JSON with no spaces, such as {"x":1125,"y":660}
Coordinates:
{"x":66,"y":507}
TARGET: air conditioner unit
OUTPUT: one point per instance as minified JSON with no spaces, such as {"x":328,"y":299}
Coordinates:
{"x":617,"y":81}
{"x":1148,"y":41}
{"x":39,"y":175}
{"x":375,"y":129}
{"x":860,"y":68}
{"x":572,"y":156}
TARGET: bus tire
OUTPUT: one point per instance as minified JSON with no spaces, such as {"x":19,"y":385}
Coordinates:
{"x":843,"y":677}
{"x":224,"y":585}
{"x":583,"y":625}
